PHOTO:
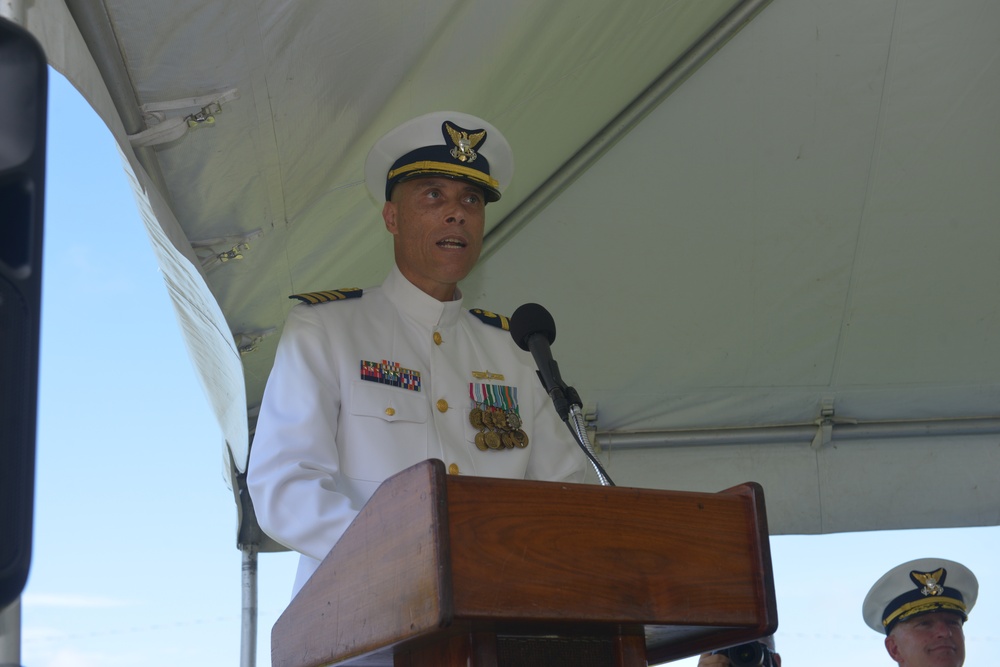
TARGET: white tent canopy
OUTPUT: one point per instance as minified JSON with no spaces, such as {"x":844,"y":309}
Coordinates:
{"x":767,"y":232}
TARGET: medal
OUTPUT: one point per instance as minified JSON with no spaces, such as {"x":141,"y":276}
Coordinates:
{"x":494,"y":414}
{"x":493,"y":440}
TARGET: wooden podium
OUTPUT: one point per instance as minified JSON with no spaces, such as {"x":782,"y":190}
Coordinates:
{"x":443,"y":571}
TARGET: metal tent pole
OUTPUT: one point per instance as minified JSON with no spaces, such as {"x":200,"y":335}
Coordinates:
{"x":797,"y":433}
{"x":10,"y":634}
{"x":248,"y":627}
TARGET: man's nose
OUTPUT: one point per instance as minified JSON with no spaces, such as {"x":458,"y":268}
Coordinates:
{"x":943,"y":629}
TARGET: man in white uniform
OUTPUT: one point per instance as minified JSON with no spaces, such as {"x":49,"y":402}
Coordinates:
{"x":367,"y":383}
{"x":921,"y":607}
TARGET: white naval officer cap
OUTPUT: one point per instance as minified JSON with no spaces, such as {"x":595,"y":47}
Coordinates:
{"x":443,"y":143}
{"x":919,"y":587}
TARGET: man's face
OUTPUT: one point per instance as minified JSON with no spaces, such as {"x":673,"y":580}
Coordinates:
{"x":437,"y":224}
{"x":935,"y":639}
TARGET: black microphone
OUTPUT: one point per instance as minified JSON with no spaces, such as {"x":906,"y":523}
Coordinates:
{"x":533,"y":329}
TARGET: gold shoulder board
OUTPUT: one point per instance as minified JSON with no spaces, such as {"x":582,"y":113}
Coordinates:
{"x":499,"y":321}
{"x":312,"y":298}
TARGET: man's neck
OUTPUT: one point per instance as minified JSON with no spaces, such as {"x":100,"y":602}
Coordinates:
{"x":443,"y":292}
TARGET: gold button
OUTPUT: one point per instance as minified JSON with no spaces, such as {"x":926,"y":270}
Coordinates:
{"x":390,"y":411}
{"x":453,"y":469}
{"x":442,"y":405}
{"x":437,"y":338}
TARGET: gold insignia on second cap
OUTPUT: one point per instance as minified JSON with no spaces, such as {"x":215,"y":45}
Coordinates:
{"x":931,"y":581}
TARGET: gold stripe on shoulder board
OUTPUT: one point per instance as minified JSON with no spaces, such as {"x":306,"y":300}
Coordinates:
{"x":313,"y":298}
{"x":485,"y":316}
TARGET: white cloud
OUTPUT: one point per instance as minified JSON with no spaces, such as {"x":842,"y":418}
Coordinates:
{"x":70,"y":601}
{"x":74,"y":658}
{"x":71,"y":658}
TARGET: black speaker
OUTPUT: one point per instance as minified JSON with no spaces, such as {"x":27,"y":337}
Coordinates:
{"x":23,"y":103}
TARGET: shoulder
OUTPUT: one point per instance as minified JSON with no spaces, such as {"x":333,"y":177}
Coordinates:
{"x":328,"y":296}
{"x":492,"y":319}
{"x":326,"y":309}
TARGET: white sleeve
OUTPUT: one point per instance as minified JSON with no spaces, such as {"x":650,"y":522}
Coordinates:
{"x":555,"y":454}
{"x":294,"y":466}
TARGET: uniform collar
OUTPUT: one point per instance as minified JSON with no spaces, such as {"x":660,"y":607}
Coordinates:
{"x":417,"y":304}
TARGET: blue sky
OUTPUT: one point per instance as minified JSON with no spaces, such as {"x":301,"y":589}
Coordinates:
{"x":135,"y":560}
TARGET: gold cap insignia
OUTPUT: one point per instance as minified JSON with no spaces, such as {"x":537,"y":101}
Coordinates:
{"x":931,"y":582}
{"x":465,"y":143}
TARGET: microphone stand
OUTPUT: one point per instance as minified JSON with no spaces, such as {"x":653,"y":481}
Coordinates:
{"x":533,"y":330}
{"x":570,"y":408}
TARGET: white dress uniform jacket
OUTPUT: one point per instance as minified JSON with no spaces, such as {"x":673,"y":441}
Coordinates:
{"x":326,"y":438}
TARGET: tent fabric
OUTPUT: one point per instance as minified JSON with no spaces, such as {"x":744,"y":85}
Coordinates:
{"x":798,"y":240}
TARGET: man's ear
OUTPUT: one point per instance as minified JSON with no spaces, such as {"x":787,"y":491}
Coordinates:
{"x":389,"y":216}
{"x":892,"y":647}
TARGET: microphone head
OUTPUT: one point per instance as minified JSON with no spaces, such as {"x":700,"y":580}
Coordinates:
{"x":530,"y":319}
